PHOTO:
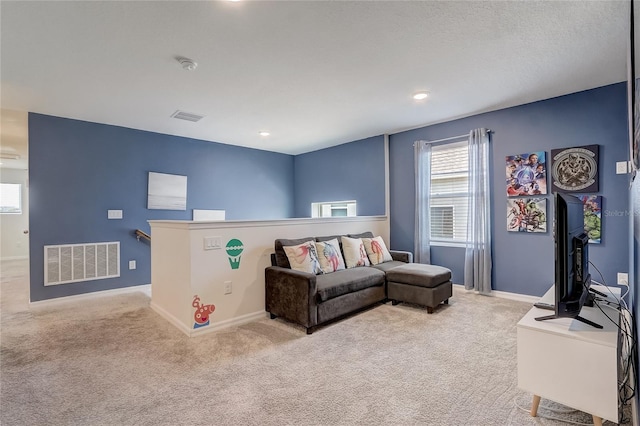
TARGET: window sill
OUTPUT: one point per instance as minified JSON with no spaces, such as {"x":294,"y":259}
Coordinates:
{"x":448,"y":244}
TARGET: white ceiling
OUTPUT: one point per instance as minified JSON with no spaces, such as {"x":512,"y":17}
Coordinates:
{"x":313,"y":73}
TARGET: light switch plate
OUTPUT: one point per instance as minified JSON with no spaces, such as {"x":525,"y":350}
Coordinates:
{"x":132,"y":264}
{"x":212,"y":243}
{"x":114,"y":214}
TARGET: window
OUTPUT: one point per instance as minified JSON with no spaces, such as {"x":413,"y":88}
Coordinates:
{"x":449,"y":190}
{"x":11,"y":198}
{"x":333,"y":209}
{"x":442,"y":222}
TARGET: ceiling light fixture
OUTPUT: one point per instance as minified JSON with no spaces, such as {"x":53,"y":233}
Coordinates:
{"x":264,"y":133}
{"x":187,"y":64}
{"x":420,"y":96}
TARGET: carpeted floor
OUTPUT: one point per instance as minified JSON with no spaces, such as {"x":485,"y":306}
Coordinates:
{"x":113,"y":361}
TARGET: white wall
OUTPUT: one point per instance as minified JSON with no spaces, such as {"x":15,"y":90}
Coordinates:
{"x":14,"y":244}
{"x":181,"y":268}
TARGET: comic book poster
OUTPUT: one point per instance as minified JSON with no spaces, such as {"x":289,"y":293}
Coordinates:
{"x":527,"y":215}
{"x":526,"y":174}
{"x":575,"y":169}
{"x":592,"y":217}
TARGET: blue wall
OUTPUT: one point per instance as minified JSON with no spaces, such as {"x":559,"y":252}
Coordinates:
{"x":352,"y":171}
{"x":78,"y":170}
{"x":523,"y":263}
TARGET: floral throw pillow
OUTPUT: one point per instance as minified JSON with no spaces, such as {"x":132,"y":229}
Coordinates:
{"x":354,"y":252}
{"x":376,"y":250}
{"x":303,"y":257}
{"x":330,"y":256}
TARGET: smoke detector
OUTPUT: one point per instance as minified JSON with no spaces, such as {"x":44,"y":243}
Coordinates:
{"x":187,"y":64}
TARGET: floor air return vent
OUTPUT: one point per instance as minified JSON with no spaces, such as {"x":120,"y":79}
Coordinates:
{"x":72,"y":263}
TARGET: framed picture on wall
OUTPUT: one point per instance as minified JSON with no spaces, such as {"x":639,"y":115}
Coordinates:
{"x":167,"y":192}
{"x":526,"y":174}
{"x":527,"y":215}
{"x":575,"y":169}
{"x":592,"y":217}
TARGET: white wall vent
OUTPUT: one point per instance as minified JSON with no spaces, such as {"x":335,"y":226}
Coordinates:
{"x":72,"y":263}
{"x":187,"y":116}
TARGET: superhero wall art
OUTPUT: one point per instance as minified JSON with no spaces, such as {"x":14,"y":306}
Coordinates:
{"x":575,"y":169}
{"x":526,"y":174}
{"x":527,"y":215}
{"x":592,"y":217}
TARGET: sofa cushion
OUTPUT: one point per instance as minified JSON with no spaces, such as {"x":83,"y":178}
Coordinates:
{"x":303,"y":257}
{"x":419,"y":274}
{"x":367,"y":234}
{"x":376,"y":250}
{"x":281,"y":256}
{"x":347,"y":281}
{"x":354,"y":252}
{"x":330,"y":256}
{"x":386,"y":266}
{"x":330,"y":237}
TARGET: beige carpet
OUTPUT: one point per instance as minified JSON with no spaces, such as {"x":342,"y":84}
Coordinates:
{"x":112,"y":361}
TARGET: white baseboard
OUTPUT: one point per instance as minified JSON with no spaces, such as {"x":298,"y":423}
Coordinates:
{"x":145,"y":288}
{"x":169,"y":317}
{"x":242,"y":319}
{"x":507,"y":295}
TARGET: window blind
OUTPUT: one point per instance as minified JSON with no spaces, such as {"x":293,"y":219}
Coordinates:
{"x":449,"y":190}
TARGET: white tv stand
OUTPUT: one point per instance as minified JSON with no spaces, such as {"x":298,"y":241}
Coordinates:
{"x":570,"y":362}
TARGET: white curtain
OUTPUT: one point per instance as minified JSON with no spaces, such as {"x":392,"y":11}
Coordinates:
{"x":477,"y":259}
{"x":422,"y":237}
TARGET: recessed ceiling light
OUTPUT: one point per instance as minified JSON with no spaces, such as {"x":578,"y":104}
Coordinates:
{"x":420,"y":96}
{"x":264,"y":133}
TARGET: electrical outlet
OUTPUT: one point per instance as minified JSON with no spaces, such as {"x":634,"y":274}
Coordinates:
{"x":227,"y":287}
{"x":623,"y":278}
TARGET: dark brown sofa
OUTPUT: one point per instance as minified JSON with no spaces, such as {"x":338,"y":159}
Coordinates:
{"x":312,"y":300}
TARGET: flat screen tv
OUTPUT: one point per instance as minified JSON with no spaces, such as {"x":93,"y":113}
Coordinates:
{"x":572,"y":278}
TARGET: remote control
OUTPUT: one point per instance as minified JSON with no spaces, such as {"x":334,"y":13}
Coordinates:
{"x":543,"y":305}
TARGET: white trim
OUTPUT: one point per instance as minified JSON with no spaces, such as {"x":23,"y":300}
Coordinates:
{"x":242,"y":319}
{"x":144,"y":288}
{"x":507,"y":295}
{"x":173,"y":320}
{"x":460,"y":244}
{"x":14,"y":258}
{"x":188,"y":224}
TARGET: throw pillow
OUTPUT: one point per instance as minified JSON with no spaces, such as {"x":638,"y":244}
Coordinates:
{"x":303,"y":257}
{"x":354,"y":252}
{"x":329,"y":255}
{"x":376,"y":250}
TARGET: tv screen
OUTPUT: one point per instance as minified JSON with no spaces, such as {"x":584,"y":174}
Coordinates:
{"x":572,"y":278}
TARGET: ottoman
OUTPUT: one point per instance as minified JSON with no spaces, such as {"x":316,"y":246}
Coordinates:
{"x":426,"y":285}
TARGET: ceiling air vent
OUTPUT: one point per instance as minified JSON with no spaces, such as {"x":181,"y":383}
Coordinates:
{"x":187,"y":116}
